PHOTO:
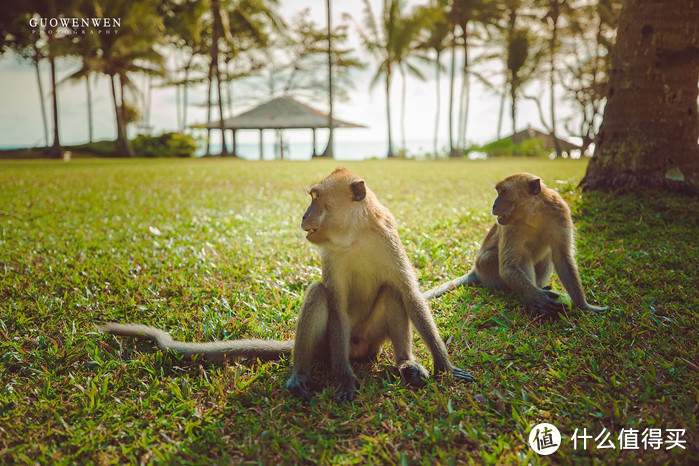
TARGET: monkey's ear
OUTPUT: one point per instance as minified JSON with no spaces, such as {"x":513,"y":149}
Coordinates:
{"x":358,"y":190}
{"x":534,"y":186}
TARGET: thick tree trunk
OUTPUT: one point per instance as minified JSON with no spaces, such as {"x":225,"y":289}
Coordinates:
{"x":648,"y":136}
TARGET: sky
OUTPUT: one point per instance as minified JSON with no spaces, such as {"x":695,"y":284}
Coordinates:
{"x":21,"y":124}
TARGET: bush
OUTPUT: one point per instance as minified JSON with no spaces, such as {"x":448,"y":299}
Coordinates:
{"x":506,"y":148}
{"x":165,"y":145}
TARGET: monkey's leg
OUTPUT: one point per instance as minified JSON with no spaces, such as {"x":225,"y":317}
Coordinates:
{"x":310,"y":335}
{"x":339,"y":341}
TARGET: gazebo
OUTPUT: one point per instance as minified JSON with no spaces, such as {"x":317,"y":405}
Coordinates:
{"x":279,"y":114}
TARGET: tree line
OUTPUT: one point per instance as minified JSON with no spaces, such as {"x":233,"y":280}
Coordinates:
{"x":518,"y":49}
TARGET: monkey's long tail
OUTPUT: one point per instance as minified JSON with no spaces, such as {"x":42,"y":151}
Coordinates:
{"x":468,"y":279}
{"x":212,"y":351}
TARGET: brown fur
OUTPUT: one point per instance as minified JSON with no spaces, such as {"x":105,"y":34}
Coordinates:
{"x":369,"y":294}
{"x":533,"y":235}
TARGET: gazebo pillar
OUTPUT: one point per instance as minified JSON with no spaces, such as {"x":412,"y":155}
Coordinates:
{"x":262,"y":149}
{"x":235,"y":147}
{"x":314,"y":143}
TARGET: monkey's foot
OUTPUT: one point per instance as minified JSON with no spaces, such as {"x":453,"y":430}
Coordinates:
{"x":412,"y":373}
{"x":461,"y":375}
{"x":346,"y":391}
{"x":301,"y":386}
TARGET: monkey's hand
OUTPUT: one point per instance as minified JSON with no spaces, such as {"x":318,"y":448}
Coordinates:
{"x":548,"y":304}
{"x":412,"y":373}
{"x":301,"y":386}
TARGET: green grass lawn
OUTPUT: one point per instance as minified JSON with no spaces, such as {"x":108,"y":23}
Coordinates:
{"x":212,"y":249}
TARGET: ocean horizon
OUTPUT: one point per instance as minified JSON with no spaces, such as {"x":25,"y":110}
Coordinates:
{"x":344,"y":150}
{"x":300,"y":151}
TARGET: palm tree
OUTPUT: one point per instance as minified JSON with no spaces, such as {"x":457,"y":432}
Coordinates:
{"x":463,"y":15}
{"x":15,"y":36}
{"x":86,"y":48}
{"x":130,"y":51}
{"x":185,"y":21}
{"x":330,"y":148}
{"x":233,"y":19}
{"x":438,"y":39}
{"x":392,"y":41}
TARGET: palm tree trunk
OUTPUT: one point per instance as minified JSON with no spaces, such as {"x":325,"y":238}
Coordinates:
{"x":452,"y":79}
{"x":465,"y":97}
{"x":402,"y":108}
{"x":648,"y":137}
{"x":513,"y":111}
{"x":56,"y":150}
{"x":184,"y":96}
{"x":501,"y":113}
{"x":388,"y":114}
{"x":41,"y":101}
{"x":215,"y":10}
{"x":210,"y":78}
{"x":122,"y":140}
{"x":89,"y":108}
{"x":436,"y":117}
{"x":222,"y":125}
{"x":554,"y":34}
{"x":330,"y":148}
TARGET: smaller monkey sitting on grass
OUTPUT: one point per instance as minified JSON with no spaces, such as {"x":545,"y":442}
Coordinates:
{"x":533,"y":235}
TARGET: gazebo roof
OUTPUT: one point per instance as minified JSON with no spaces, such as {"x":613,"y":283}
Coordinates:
{"x":280,"y":113}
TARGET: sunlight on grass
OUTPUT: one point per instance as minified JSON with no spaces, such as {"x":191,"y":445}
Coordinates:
{"x":212,"y":249}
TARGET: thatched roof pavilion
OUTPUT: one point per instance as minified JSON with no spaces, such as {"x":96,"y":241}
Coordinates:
{"x":279,"y":114}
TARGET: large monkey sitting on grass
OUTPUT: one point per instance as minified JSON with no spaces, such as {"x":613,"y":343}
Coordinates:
{"x":533,"y":236}
{"x":369,"y":294}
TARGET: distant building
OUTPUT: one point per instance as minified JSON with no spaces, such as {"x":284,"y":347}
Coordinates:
{"x":567,"y":148}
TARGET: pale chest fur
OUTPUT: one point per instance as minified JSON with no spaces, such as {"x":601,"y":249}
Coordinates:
{"x":357,"y":274}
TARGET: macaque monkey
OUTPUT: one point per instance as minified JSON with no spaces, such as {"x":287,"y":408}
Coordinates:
{"x":533,"y":236}
{"x":368,"y":294}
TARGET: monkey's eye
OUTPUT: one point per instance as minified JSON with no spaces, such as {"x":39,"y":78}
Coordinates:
{"x":314,"y":195}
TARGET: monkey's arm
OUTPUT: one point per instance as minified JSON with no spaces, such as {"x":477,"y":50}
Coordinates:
{"x":567,"y":271}
{"x":468,"y":279}
{"x":512,"y":271}
{"x":421,"y":317}
{"x":212,"y":351}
